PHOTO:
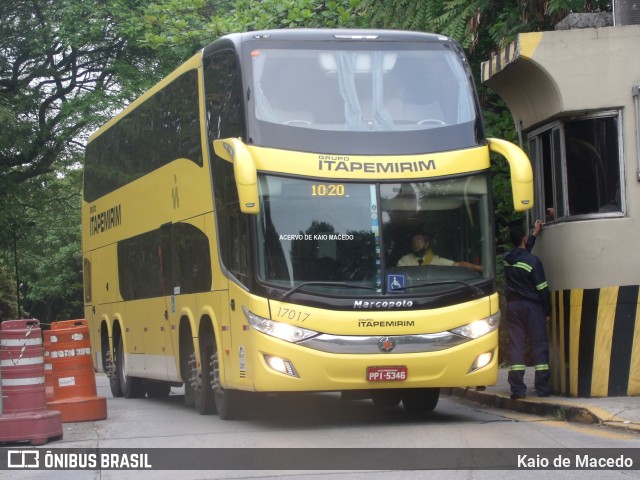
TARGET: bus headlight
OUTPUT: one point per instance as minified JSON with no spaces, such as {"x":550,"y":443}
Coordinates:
{"x":283,"y":331}
{"x":479,"y":328}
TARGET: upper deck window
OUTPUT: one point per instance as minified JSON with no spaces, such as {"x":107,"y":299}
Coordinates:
{"x":162,"y":129}
{"x":339,"y":98}
{"x":361,"y":90}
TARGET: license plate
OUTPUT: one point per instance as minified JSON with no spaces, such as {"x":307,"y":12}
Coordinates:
{"x":386,"y":374}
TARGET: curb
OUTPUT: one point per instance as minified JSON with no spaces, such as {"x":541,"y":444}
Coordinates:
{"x":535,"y":406}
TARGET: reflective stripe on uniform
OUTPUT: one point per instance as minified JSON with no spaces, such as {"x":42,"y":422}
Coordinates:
{"x":516,"y":368}
{"x":522,"y":265}
{"x":542,"y":366}
{"x":542,"y":286}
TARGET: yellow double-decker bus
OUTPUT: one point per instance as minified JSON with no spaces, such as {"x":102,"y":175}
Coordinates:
{"x":250,"y":223}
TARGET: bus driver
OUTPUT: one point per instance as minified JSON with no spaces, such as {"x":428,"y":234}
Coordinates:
{"x":421,"y":254}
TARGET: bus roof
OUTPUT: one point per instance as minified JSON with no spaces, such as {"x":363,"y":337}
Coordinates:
{"x":288,"y":35}
{"x":326,"y":34}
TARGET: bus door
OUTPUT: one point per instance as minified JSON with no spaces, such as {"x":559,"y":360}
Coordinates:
{"x":236,"y":246}
{"x":236,"y":345}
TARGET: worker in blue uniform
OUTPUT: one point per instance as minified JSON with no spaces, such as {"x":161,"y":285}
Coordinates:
{"x":528,"y":311}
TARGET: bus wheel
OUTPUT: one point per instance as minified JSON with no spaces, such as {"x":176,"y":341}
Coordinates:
{"x":187,"y":364}
{"x":386,"y":398}
{"x":420,"y":400}
{"x":228,"y":403}
{"x":131,"y":387}
{"x":204,"y":397}
{"x":112,"y":372}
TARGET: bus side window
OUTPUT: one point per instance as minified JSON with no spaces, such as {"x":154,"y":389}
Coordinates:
{"x":233,"y":227}
{"x":224,"y":115}
{"x":223,"y":97}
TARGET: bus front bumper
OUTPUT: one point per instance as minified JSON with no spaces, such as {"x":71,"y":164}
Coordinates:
{"x":282,"y":366}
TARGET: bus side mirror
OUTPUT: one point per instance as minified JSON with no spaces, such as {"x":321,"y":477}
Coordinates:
{"x":244,"y":170}
{"x":521,"y":172}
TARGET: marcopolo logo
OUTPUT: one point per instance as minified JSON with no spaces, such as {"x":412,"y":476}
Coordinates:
{"x":383,"y":304}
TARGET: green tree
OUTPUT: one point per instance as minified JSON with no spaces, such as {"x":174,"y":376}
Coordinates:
{"x":47,"y":247}
{"x":52,"y":288}
{"x":64,"y":68}
{"x":190,"y":24}
{"x":8,"y":299}
{"x":479,"y":26}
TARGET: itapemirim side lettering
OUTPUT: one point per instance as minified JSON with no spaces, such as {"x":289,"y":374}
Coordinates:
{"x":105,"y":220}
{"x":330,"y":165}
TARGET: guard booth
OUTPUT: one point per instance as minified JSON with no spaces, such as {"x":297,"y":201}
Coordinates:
{"x":574,"y":96}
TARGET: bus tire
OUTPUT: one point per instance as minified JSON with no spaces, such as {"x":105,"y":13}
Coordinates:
{"x":204,"y":395}
{"x":420,"y":400}
{"x":111,"y":369}
{"x":132,"y":387}
{"x":228,"y":403}
{"x":187,"y":359}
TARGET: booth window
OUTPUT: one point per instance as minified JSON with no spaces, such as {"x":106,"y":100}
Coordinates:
{"x":577,"y":165}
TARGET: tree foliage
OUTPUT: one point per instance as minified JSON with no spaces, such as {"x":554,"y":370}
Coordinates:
{"x":64,"y":67}
{"x":46,"y":255}
{"x":190,"y":24}
{"x":53,"y":289}
{"x":8,"y":299}
{"x":472,"y":21}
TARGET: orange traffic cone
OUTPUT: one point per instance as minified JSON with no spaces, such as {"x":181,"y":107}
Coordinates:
{"x":74,"y":381}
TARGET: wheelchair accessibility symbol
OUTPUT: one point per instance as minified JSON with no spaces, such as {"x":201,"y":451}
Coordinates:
{"x":395,"y":283}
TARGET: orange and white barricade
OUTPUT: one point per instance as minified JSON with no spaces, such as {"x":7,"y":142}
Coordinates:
{"x":68,"y":348}
{"x":24,"y":407}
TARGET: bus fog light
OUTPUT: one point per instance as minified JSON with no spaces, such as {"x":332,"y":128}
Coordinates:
{"x":281,"y":365}
{"x":481,"y":361}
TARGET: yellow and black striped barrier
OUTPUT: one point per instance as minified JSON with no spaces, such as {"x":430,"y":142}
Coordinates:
{"x":595,"y":342}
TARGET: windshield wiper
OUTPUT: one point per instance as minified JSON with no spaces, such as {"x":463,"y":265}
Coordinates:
{"x":473,"y":288}
{"x":324,"y":284}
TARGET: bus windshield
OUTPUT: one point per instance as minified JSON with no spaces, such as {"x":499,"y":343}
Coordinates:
{"x":424,"y":93}
{"x":346,"y":239}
